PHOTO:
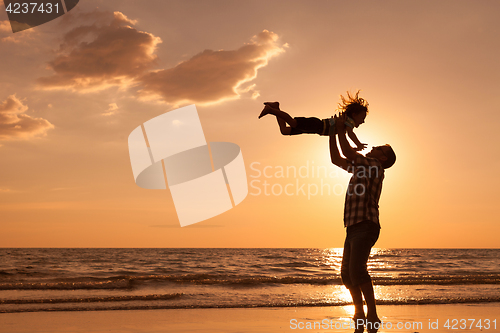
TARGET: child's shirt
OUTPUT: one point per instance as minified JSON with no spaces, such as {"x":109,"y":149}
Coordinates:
{"x":349,"y":122}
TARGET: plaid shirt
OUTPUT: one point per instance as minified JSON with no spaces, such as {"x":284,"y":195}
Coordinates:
{"x":363,"y":192}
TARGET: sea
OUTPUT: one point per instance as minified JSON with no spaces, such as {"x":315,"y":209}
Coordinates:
{"x":79,"y":279}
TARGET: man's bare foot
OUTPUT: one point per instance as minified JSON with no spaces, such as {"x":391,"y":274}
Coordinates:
{"x":373,"y":324}
{"x":359,"y":326}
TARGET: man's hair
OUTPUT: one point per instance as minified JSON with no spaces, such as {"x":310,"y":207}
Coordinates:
{"x":391,"y":157}
{"x":353,"y":104}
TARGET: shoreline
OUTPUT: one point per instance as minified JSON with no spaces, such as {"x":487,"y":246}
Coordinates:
{"x":396,"y":318}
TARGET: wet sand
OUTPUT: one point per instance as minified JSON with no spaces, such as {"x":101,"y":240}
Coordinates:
{"x":396,"y":318}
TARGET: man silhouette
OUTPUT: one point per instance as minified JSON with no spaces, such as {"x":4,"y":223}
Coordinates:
{"x":361,"y":219}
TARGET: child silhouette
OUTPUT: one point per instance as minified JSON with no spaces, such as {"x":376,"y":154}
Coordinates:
{"x":355,"y":108}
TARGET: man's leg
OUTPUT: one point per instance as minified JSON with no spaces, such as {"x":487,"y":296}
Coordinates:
{"x":362,"y":237}
{"x":359,"y":312}
{"x":357,"y":300}
{"x":371,"y":317}
{"x":355,"y":291}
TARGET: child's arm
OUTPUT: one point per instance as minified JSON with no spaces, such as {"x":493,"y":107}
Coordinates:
{"x":354,"y":138}
{"x":347,"y":150}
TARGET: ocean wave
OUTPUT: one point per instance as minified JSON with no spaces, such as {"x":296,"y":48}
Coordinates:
{"x":135,"y":281}
{"x":438,"y":280}
{"x":68,"y":285}
{"x":123,"y":298}
{"x":79,"y":306}
{"x":295,"y":264}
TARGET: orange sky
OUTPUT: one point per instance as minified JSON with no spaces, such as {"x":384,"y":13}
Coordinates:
{"x":73,"y":89}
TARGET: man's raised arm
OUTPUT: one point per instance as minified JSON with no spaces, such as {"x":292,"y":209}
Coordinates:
{"x":335,"y":154}
{"x":347,"y":150}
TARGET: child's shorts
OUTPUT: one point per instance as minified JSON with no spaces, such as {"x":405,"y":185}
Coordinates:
{"x":311,"y":125}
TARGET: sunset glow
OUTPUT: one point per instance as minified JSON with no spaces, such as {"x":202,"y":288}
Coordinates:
{"x":72,"y":90}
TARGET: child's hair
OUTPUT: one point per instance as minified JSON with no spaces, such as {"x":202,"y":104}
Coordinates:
{"x":352,"y":105}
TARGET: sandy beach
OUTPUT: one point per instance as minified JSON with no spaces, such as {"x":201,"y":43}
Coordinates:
{"x":397,"y":318}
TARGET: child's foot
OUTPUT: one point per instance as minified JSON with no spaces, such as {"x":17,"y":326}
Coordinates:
{"x":274,"y":105}
{"x":267,"y":110}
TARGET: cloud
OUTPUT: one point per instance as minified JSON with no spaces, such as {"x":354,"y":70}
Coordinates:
{"x":112,"y":110}
{"x":7,"y":36}
{"x":212,"y":76}
{"x":8,"y":190}
{"x":14,"y":124}
{"x":112,"y":52}
{"x":5,"y":26}
{"x":95,"y":57}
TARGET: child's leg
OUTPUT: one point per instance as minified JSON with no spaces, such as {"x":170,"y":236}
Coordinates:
{"x":284,"y":129}
{"x":279,"y":114}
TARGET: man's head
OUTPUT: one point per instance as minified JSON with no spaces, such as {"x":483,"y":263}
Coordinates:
{"x":385,"y":154}
{"x":354,"y":107}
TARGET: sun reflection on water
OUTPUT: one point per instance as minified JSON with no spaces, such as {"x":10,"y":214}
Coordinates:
{"x":332,"y":257}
